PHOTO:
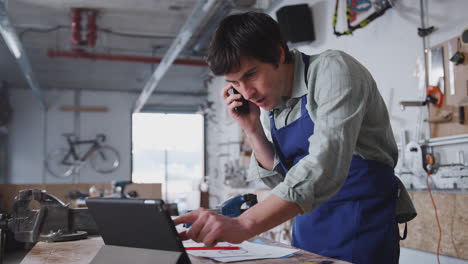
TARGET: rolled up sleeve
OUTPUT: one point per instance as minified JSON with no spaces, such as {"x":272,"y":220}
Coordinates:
{"x":256,"y":171}
{"x":339,"y":88}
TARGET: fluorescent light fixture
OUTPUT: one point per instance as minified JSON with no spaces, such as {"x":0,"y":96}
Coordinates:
{"x":15,"y":46}
{"x":196,"y":17}
{"x":8,"y":32}
{"x":11,"y":40}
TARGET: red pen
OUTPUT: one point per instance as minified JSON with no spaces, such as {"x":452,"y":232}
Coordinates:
{"x":212,"y":248}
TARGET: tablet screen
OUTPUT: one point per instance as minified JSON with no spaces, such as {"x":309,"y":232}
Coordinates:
{"x":136,"y":223}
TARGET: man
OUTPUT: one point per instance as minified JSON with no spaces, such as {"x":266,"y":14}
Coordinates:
{"x":323,"y":143}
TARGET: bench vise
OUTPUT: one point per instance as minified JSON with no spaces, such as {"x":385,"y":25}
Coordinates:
{"x":53,"y":221}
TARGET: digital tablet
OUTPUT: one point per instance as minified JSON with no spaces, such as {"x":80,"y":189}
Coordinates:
{"x":138,"y":223}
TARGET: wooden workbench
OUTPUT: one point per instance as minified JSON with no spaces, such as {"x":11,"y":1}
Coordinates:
{"x":83,"y":251}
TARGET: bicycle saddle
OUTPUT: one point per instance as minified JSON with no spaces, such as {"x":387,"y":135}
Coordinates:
{"x":68,"y":134}
{"x":101,"y":137}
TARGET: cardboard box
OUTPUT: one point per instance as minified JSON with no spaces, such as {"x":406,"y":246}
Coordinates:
{"x":145,"y":190}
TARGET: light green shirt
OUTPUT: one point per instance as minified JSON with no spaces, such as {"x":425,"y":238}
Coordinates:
{"x":350,"y":117}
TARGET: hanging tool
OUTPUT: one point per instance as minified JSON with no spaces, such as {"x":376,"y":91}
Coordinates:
{"x":414,"y":159}
{"x":433,"y":96}
{"x":443,"y":117}
{"x":461,"y":110}
{"x":458,"y":58}
{"x":429,"y":162}
{"x":464,"y":37}
{"x":380,"y":6}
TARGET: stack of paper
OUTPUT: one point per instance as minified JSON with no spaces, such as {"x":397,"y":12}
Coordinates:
{"x":247,"y":251}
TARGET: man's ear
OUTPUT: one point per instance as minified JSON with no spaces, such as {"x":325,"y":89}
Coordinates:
{"x":282,"y":56}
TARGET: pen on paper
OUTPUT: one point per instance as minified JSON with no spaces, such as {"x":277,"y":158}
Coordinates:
{"x":211,"y":248}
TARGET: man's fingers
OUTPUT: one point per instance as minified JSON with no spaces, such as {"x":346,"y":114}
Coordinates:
{"x":210,"y":241}
{"x":234,"y":105}
{"x":224,"y":92}
{"x":211,"y":238}
{"x":183,"y":235}
{"x":207,"y":228}
{"x":233,"y":98}
{"x":186,"y":218}
{"x":197,"y":226}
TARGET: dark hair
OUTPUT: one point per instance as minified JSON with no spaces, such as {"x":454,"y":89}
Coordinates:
{"x":250,"y":34}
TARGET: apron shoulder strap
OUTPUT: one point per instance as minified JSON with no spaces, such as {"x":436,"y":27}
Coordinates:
{"x":306,"y":60}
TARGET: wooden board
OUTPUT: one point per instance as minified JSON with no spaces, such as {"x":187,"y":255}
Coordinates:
{"x":83,"y":251}
{"x":9,"y":191}
{"x":451,"y":101}
{"x":423,"y":233}
{"x":84,"y":109}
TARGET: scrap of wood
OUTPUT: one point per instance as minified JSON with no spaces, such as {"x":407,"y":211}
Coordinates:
{"x":84,"y":108}
{"x":453,"y":216}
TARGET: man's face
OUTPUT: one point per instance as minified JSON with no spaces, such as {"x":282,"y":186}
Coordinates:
{"x":259,"y":82}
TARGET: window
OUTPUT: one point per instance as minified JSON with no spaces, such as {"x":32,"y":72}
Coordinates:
{"x":168,"y":149}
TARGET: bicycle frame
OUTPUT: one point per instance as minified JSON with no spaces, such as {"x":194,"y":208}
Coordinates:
{"x":72,"y":151}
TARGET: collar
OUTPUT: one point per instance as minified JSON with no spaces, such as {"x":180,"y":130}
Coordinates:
{"x":299,"y":88}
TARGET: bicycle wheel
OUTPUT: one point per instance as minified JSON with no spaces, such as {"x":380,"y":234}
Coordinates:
{"x":54,"y":163}
{"x":105,"y":159}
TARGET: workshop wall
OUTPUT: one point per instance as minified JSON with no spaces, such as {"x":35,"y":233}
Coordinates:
{"x":393,"y":52}
{"x":33,"y":133}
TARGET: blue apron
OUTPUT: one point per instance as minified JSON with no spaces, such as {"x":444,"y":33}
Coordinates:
{"x":358,"y":223}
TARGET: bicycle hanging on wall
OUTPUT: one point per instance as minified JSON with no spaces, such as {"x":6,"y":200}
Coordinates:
{"x":64,"y":162}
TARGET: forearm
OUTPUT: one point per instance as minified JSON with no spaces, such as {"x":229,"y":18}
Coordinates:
{"x":263,"y":149}
{"x":268,"y":214}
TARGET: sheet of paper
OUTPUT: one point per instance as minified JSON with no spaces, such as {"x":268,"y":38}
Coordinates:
{"x":247,"y":251}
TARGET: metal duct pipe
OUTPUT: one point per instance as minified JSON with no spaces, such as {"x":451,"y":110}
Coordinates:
{"x":76,"y":26}
{"x":91,"y":34}
{"x":221,"y":12}
{"x":90,"y":28}
{"x":111,"y":57}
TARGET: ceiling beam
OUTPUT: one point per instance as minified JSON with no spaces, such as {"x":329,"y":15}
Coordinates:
{"x":16,"y":48}
{"x":201,"y":9}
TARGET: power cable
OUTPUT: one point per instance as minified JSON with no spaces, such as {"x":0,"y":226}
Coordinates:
{"x":105,"y":30}
{"x":436,"y":216}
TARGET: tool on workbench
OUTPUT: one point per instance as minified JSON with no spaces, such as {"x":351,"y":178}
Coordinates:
{"x":234,"y":206}
{"x":53,"y":221}
{"x":119,"y":187}
{"x":433,"y":96}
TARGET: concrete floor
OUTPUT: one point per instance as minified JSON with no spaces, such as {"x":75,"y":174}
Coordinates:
{"x":414,"y":256}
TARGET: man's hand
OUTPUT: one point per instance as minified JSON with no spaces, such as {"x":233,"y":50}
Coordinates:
{"x":210,"y":228}
{"x":249,"y":122}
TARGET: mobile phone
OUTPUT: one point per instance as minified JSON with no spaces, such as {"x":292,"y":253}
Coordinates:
{"x":244,"y":108}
